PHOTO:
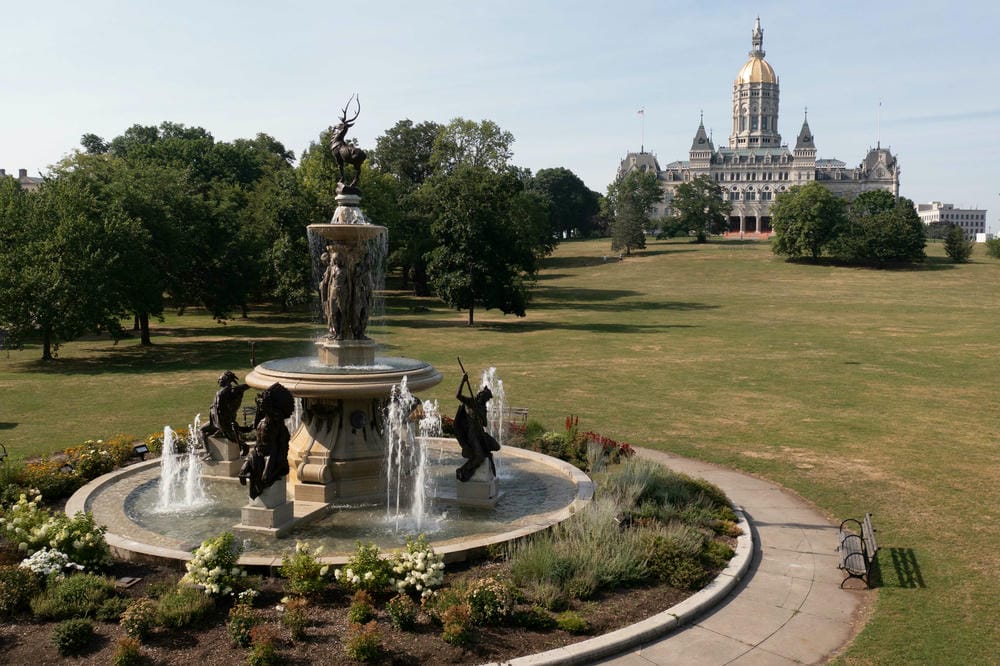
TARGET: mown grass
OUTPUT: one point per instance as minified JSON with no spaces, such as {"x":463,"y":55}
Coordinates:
{"x":863,"y":390}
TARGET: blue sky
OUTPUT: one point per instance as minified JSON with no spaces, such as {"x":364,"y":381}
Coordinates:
{"x":566,"y":78}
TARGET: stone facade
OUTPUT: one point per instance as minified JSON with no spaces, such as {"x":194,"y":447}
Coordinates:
{"x":756,"y":166}
{"x":28,"y":183}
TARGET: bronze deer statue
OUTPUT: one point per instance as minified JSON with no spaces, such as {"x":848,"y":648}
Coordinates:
{"x":344,"y":152}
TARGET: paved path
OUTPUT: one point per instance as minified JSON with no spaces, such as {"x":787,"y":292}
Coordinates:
{"x":788,"y":609}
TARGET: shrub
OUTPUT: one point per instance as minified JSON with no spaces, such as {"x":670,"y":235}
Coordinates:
{"x":442,"y":600}
{"x":402,"y":612}
{"x":572,"y":622}
{"x":456,"y":625}
{"x":91,"y":459}
{"x":17,"y":586}
{"x":674,"y":555}
{"x":490,"y":601}
{"x":47,"y":563}
{"x":128,"y":652}
{"x":364,"y":642}
{"x":73,"y":637}
{"x":306,"y":575}
{"x":138,"y":618}
{"x":48,"y":477}
{"x":366,"y":570}
{"x":242,"y":618}
{"x":183,"y":606}
{"x":111,"y":609}
{"x":213,"y":566}
{"x":263,"y":646}
{"x":957,"y":247}
{"x":296,"y":617}
{"x":993,"y":247}
{"x":362,"y":608}
{"x":417,"y":568}
{"x":32,"y":528}
{"x":79,"y":595}
{"x":716,"y":555}
{"x":536,"y":618}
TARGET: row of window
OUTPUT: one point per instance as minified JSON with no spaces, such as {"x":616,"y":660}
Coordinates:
{"x":752,"y":175}
{"x":751,"y":196}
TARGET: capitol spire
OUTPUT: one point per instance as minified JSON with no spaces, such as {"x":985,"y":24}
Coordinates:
{"x":758,"y":40}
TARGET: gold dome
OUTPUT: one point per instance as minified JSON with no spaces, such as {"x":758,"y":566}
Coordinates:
{"x":757,"y":70}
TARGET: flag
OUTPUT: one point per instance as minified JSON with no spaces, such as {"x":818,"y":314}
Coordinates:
{"x":641,"y":112}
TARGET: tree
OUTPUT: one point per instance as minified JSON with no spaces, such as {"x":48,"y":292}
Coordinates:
{"x":627,"y":204}
{"x":480,"y":258}
{"x":700,"y":207}
{"x":993,"y":247}
{"x":572,"y":205}
{"x":956,"y":246}
{"x":481,"y":144}
{"x":65,"y":264}
{"x":805,"y":219}
{"x":880,"y":229}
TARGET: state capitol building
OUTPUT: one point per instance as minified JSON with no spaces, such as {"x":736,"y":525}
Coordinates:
{"x":756,"y":165}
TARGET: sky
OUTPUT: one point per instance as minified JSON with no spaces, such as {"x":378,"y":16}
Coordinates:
{"x":566,"y":78}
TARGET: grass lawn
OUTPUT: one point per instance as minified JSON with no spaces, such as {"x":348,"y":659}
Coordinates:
{"x":862,"y":390}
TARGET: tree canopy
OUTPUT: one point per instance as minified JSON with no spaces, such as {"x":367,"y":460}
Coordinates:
{"x":805,"y":219}
{"x":573,"y":207}
{"x":699,"y":206}
{"x":627,"y":204}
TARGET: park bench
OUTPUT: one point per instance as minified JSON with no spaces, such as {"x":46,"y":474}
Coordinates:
{"x":517,"y":415}
{"x":858,"y":549}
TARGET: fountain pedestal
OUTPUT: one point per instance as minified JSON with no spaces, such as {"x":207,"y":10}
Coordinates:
{"x":345,"y":353}
{"x":480,"y":491}
{"x":224,"y":457}
{"x":270,"y":512}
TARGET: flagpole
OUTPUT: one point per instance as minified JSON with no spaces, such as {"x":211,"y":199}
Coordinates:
{"x":642,"y":135}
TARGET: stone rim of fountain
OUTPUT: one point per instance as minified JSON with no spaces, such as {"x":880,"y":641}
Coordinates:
{"x":129,"y":546}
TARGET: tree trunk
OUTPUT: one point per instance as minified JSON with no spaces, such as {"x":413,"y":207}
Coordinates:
{"x":135,"y":324}
{"x":144,"y":338}
{"x":472,"y":310}
{"x":47,"y":344}
{"x":243,"y":308}
{"x":419,"y":275}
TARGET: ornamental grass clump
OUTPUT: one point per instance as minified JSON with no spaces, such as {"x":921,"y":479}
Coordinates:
{"x":305,"y":575}
{"x":417,"y":569}
{"x":366,"y":570}
{"x":184,"y":606}
{"x":79,"y":595}
{"x":213,"y":566}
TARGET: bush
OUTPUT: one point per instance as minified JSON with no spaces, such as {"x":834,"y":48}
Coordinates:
{"x":242,"y":618}
{"x":47,"y":477}
{"x":417,"y":568}
{"x":128,"y":652}
{"x":263,"y":646}
{"x":536,"y":618}
{"x":91,"y":459}
{"x":674,"y":555}
{"x":79,"y":595}
{"x":33,"y":527}
{"x":305,"y":574}
{"x":73,"y":637}
{"x":956,"y":247}
{"x":993,"y":247}
{"x":296,"y":617}
{"x":138,"y":618}
{"x":366,"y":570}
{"x":47,"y":563}
{"x":183,"y":606}
{"x":364,"y":642}
{"x":213,"y":566}
{"x":111,"y":609}
{"x":456,"y":625}
{"x":572,"y":622}
{"x":362,"y":608}
{"x":17,"y":586}
{"x":716,"y":555}
{"x":442,"y":600}
{"x":490,"y":601}
{"x":402,"y":612}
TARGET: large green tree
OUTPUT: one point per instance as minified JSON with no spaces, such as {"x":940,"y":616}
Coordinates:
{"x":484,"y":255}
{"x":573,"y":206}
{"x":627,"y":205}
{"x":805,"y":220}
{"x":881,"y":229}
{"x":466,"y":142}
{"x":699,"y":206}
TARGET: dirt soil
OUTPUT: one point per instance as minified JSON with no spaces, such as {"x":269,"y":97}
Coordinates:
{"x":27,"y":641}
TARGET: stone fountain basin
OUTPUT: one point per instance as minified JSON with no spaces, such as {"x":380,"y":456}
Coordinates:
{"x":106,"y":497}
{"x":347,"y":233}
{"x":307,"y":377}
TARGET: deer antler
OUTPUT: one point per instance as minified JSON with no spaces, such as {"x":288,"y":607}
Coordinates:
{"x":343,"y":113}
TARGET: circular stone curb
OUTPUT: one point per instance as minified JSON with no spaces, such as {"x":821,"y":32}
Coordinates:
{"x":634,"y":635}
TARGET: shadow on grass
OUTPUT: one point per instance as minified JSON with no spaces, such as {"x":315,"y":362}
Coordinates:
{"x":905,"y":567}
{"x":929,"y":264}
{"x":525,"y":326}
{"x":4,"y":425}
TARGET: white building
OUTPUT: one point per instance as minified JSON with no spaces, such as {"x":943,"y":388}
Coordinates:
{"x":971,"y":220}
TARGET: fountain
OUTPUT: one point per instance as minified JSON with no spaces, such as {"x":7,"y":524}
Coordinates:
{"x":181,"y":487}
{"x":344,"y":472}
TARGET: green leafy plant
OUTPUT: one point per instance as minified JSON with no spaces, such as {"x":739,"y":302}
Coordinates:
{"x":32,"y":527}
{"x":73,"y":636}
{"x":490,"y":600}
{"x":366,"y":570}
{"x":242,"y":618}
{"x":138,"y":618}
{"x":364,"y":642}
{"x":17,"y":586}
{"x":457,"y":625}
{"x":716,"y":555}
{"x":296,"y":617}
{"x":111,"y":609}
{"x":79,"y":595}
{"x":535,"y":617}
{"x":572,"y":622}
{"x":362,"y":608}
{"x":263,"y":646}
{"x":183,"y":606}
{"x":214,"y":567}
{"x":306,"y":575}
{"x":402,"y":612}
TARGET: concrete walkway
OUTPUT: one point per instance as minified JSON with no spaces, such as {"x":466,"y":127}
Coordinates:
{"x":788,"y":608}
